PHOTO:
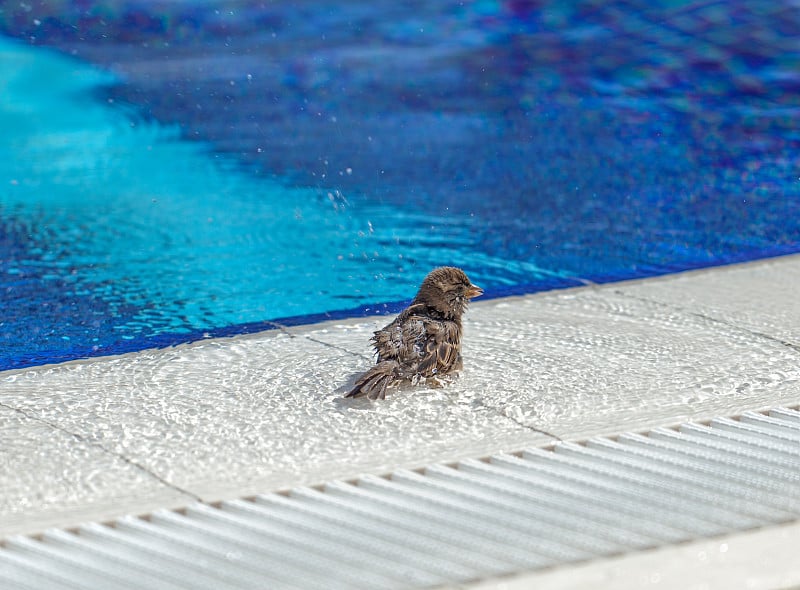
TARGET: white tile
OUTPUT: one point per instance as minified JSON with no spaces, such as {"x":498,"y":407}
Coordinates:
{"x":243,"y":415}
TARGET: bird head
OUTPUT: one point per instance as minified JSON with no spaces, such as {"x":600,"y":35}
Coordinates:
{"x":447,"y":290}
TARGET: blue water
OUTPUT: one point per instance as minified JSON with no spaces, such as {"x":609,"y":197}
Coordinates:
{"x":178,"y":171}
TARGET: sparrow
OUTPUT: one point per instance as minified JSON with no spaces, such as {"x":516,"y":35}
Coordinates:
{"x":424,"y":341}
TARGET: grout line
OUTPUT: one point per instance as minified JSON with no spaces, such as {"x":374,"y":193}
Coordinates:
{"x":353,"y":480}
{"x":524,"y":425}
{"x":500,"y":413}
{"x":285,"y":330}
{"x":339,"y":348}
{"x":281,"y":328}
{"x":104,"y":449}
{"x":685,"y":311}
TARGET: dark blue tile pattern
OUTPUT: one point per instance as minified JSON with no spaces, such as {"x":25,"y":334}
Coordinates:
{"x":590,"y":140}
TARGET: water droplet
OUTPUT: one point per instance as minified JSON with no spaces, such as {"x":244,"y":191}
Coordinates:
{"x":655,"y":578}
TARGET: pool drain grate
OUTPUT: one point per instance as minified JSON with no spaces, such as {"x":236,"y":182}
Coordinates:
{"x":446,"y":524}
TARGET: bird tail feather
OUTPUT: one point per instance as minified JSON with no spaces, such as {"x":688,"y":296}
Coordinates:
{"x":374,"y":382}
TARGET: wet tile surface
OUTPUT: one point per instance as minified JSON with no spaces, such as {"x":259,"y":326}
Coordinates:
{"x":251,"y":414}
{"x":588,"y":361}
{"x":49,"y":477}
{"x":237,"y":416}
{"x":760,"y":297}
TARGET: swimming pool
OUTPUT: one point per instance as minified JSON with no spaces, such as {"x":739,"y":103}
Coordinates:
{"x":171,"y":171}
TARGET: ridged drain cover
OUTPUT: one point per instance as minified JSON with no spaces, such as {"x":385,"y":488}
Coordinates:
{"x":444,"y":524}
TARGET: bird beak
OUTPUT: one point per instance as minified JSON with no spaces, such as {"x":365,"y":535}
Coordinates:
{"x":474,"y":291}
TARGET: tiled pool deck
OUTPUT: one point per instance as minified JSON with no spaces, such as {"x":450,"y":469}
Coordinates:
{"x":220,"y":419}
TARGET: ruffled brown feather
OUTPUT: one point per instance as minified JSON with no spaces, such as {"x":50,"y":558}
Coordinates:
{"x":424,"y":341}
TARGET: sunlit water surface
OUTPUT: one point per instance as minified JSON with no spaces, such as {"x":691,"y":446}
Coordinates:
{"x":248,"y":162}
{"x":114,"y":229}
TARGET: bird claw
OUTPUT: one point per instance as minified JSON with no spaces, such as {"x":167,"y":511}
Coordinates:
{"x":440,"y":381}
{"x":433,"y":382}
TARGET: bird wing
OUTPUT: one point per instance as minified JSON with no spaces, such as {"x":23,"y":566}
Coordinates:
{"x":421,"y":345}
{"x":399,"y":340}
{"x":442,"y":348}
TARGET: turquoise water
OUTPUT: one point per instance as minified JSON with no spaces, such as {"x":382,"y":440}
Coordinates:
{"x":128,"y":231}
{"x":252,"y":162}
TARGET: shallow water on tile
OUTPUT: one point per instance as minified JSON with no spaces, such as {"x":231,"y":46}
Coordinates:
{"x":230,"y":416}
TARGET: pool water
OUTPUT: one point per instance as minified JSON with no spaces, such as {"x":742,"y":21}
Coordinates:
{"x":174,"y":171}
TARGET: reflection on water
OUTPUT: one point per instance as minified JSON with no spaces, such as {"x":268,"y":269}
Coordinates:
{"x":345,"y":150}
{"x":117,"y":220}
